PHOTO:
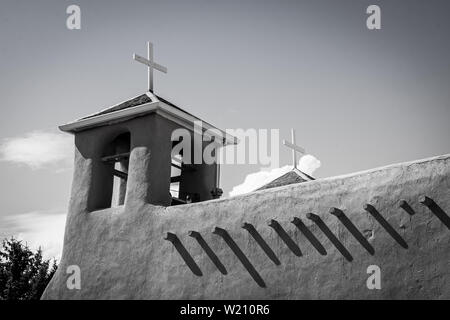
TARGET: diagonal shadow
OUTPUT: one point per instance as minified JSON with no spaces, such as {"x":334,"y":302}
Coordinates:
{"x":240,"y":255}
{"x":352,"y":229}
{"x":389,"y":229}
{"x":436,"y":209}
{"x":335,"y":241}
{"x":183,"y":253}
{"x":209,"y":252}
{"x":285,"y":237}
{"x":309,"y":235}
{"x":262,"y":243}
{"x":405,"y":206}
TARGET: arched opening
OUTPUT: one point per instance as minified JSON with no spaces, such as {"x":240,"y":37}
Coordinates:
{"x":116,"y":157}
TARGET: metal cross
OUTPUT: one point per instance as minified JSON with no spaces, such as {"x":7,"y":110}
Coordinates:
{"x":150,"y":63}
{"x":294,"y":148}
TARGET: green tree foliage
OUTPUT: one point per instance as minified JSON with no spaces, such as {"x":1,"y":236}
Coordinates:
{"x":23,"y":274}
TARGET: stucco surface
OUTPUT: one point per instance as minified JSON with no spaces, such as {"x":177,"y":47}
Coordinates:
{"x":122,"y":252}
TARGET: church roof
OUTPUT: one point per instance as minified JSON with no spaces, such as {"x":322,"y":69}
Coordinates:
{"x":291,"y":177}
{"x":138,"y":106}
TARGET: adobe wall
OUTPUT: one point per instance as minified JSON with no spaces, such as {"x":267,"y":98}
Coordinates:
{"x":123,"y":255}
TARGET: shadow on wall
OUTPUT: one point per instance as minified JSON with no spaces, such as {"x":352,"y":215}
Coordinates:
{"x":262,"y":243}
{"x":334,"y":240}
{"x":290,"y":243}
{"x":184,"y":253}
{"x":352,"y":229}
{"x":209,"y":252}
{"x":383,"y":222}
{"x":285,"y":237}
{"x":309,"y":235}
{"x":436,"y":209}
{"x":240,"y":255}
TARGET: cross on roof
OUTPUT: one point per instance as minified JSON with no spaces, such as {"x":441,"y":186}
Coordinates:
{"x":150,"y":63}
{"x":294,"y":148}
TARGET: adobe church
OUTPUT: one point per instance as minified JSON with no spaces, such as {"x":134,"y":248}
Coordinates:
{"x":145,"y":223}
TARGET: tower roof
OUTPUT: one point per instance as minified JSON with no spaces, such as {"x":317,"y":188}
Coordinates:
{"x":138,"y":106}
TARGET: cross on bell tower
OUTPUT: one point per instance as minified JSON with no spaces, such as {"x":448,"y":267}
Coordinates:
{"x":150,"y":64}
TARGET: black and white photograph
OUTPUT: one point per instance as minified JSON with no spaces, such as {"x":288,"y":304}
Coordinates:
{"x":223,"y":156}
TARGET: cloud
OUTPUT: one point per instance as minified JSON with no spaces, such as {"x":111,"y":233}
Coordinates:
{"x":43,"y":229}
{"x":38,"y":149}
{"x":308,"y":164}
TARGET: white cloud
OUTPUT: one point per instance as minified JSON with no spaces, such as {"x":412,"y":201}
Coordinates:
{"x":308,"y":164}
{"x":43,"y":229}
{"x":37,"y":149}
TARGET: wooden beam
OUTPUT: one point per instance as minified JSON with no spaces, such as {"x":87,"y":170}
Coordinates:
{"x":187,"y":167}
{"x":177,"y":166}
{"x":120,"y":174}
{"x":175,"y":179}
{"x":116,"y":157}
{"x":177,"y":201}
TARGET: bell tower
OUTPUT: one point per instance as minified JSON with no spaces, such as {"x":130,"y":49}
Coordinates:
{"x":125,"y":154}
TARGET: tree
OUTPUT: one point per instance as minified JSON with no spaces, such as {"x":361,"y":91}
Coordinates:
{"x":23,"y":274}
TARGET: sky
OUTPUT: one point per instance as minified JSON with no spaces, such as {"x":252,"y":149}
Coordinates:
{"x":357,"y":98}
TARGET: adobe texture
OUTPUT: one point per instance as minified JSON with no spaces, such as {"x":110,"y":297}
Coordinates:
{"x":122,"y":252}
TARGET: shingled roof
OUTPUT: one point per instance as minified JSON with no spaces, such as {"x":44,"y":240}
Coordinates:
{"x":137,"y":101}
{"x":291,"y":177}
{"x":138,"y":106}
{"x":142,"y":99}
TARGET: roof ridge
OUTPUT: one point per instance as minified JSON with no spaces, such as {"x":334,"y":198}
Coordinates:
{"x":124,"y":105}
